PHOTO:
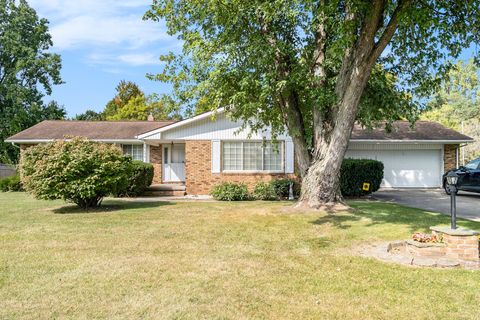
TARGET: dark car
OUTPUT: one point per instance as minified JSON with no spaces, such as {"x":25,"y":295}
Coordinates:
{"x":468,"y":177}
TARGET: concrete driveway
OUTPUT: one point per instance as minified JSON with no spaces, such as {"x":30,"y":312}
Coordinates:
{"x":436,"y":200}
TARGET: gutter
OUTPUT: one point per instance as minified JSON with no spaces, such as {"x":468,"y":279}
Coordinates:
{"x":381,"y":141}
{"x":26,"y":141}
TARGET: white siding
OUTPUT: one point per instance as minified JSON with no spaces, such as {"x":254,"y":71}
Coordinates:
{"x":220,"y":128}
{"x":393,"y":146}
{"x":405,"y":165}
{"x":216,"y":156}
{"x":289,"y":157}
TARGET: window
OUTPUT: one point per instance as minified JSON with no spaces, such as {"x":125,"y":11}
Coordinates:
{"x":133,"y":150}
{"x":252,"y":156}
{"x":473,"y":165}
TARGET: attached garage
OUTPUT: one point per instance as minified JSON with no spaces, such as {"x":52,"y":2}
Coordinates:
{"x":405,"y":166}
{"x":413,"y":157}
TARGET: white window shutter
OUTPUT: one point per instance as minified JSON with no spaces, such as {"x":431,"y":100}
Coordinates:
{"x":146,"y":153}
{"x":289,"y":156}
{"x":216,"y":156}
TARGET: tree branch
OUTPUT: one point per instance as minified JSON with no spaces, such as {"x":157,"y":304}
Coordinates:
{"x":389,"y":31}
{"x":320,"y":76}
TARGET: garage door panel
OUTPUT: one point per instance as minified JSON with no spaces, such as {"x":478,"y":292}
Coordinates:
{"x":405,"y":168}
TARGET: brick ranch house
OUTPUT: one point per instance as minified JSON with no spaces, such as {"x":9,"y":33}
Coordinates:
{"x":210,"y":148}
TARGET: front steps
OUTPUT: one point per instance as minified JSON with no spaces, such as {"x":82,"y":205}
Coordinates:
{"x":165,"y":190}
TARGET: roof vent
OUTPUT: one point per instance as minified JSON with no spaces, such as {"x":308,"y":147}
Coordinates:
{"x":150,"y":117}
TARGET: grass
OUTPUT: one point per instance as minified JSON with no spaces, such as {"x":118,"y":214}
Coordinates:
{"x":211,"y":260}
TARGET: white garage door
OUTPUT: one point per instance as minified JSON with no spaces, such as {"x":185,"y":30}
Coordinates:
{"x":406,"y":168}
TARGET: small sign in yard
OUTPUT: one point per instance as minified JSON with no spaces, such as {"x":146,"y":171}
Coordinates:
{"x":366,"y":186}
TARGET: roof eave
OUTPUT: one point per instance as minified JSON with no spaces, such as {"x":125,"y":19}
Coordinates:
{"x":180,"y":123}
{"x":33,"y":141}
{"x":455,"y":141}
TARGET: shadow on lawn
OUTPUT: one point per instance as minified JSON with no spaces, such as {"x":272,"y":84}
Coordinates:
{"x":386,"y":213}
{"x":110,"y":206}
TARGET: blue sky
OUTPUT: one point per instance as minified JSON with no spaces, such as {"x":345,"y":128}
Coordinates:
{"x":102,"y":42}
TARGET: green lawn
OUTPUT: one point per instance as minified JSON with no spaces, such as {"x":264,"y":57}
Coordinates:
{"x":193,"y":260}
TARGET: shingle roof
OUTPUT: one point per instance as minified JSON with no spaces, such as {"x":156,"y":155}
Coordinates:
{"x":125,"y":130}
{"x":102,"y":130}
{"x":402,"y":130}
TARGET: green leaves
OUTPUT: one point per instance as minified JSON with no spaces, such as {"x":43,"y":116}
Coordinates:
{"x":27,"y":71}
{"x":131,"y":103}
{"x":79,"y":171}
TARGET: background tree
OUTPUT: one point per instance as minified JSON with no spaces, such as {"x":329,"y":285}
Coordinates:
{"x":456,"y":104}
{"x":126,"y":90}
{"x":314,"y":67}
{"x":141,"y":106}
{"x":131,"y":103}
{"x":90,"y":115}
{"x":27,"y":71}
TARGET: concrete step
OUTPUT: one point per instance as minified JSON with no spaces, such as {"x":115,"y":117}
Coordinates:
{"x":167,"y":187}
{"x":164,"y":193}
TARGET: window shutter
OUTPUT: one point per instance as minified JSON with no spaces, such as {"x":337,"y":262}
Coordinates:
{"x":289,"y":156}
{"x":216,"y":156}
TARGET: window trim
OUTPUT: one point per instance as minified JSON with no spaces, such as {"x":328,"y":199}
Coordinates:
{"x":131,"y":154}
{"x":282,"y":158}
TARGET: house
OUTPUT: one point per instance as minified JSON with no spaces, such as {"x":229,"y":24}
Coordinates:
{"x":210,"y":148}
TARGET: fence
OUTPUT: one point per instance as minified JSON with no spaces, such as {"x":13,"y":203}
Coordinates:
{"x":6,"y":171}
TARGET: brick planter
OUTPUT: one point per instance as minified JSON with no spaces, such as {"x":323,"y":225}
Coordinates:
{"x":460,"y":244}
{"x":420,"y":249}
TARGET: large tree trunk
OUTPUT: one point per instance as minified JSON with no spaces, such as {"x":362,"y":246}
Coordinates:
{"x":321,"y":182}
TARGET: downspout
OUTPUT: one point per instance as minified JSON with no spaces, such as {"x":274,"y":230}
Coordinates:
{"x":457,"y":149}
{"x":463,"y":154}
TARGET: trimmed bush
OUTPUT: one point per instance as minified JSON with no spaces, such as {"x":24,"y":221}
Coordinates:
{"x":11,"y":183}
{"x":282,"y":187}
{"x":355,"y":172}
{"x":264,"y":191}
{"x":141,"y":176}
{"x":79,"y":171}
{"x":230,"y":192}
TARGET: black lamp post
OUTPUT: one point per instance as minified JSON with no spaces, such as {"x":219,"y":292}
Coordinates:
{"x":452,"y":179}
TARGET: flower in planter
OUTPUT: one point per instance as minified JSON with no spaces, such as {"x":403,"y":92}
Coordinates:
{"x":425,"y":238}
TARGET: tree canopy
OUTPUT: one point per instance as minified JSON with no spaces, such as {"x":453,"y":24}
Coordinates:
{"x":456,"y":104}
{"x":90,"y":115}
{"x":131,"y":103}
{"x":313,"y":67}
{"x":27,"y":72}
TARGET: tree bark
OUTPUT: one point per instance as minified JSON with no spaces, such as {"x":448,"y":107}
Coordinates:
{"x":321,"y":182}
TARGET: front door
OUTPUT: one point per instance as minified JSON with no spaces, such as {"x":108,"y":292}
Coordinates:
{"x":174,"y":162}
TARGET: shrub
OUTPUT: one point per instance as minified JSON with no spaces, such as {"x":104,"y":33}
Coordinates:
{"x":282,"y":187}
{"x":11,"y":183}
{"x":230,"y":192}
{"x":355,"y":172}
{"x":264,"y":191}
{"x":80,"y":171}
{"x":140,"y":178}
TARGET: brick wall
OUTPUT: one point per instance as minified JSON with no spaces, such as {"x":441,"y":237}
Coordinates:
{"x":462,"y":247}
{"x":199,"y":176}
{"x":449,"y":156}
{"x":156,"y":161}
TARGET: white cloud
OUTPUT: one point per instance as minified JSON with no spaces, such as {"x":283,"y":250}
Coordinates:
{"x":130,"y":59}
{"x":129,"y":31}
{"x":106,"y":31}
{"x":140,"y":59}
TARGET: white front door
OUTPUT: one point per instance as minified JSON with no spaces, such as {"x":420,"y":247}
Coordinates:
{"x":174,"y":162}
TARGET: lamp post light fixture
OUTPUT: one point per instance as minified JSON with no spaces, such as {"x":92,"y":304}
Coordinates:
{"x":452,"y":179}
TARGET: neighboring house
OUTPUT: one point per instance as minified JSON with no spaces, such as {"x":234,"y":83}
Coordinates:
{"x":7,"y":170}
{"x":211,"y":148}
